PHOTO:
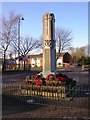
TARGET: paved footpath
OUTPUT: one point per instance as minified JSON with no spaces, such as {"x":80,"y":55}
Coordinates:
{"x":12,"y":109}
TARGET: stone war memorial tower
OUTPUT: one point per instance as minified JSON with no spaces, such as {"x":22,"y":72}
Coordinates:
{"x":49,"y":44}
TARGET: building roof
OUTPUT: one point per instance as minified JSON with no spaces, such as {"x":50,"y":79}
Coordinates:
{"x":36,"y":51}
{"x":37,"y":54}
{"x":39,"y":51}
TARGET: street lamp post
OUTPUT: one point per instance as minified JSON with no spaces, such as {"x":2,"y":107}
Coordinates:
{"x":19,"y":39}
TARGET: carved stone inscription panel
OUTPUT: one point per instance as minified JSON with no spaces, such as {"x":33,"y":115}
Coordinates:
{"x":47,"y":59}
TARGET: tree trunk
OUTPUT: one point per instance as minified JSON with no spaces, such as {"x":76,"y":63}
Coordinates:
{"x":24,"y":65}
{"x":58,"y":55}
{"x":4,"y":62}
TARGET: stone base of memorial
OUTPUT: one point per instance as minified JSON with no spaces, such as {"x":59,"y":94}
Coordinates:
{"x":53,"y":86}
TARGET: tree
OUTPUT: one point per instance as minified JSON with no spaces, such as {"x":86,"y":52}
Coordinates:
{"x":26,"y":45}
{"x":77,"y":54}
{"x":84,"y":60}
{"x":63,"y":39}
{"x":8,"y":33}
{"x":40,"y":42}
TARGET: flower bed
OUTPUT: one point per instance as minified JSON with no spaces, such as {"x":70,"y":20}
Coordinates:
{"x":51,"y":80}
{"x":53,"y":86}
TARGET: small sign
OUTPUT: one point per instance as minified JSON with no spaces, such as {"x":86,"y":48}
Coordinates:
{"x":24,"y":59}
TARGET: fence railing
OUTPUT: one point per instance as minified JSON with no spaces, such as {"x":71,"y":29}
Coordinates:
{"x":66,"y":97}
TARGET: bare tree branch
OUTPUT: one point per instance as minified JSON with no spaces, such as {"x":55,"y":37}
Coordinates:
{"x":63,"y":39}
{"x":26,"y":45}
{"x":8,"y":33}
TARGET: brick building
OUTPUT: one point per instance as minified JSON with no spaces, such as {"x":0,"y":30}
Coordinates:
{"x":36,"y":60}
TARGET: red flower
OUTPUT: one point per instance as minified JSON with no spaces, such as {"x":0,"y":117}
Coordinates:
{"x":57,"y":78}
{"x":38,"y":82}
{"x":62,"y":79}
{"x":50,"y":77}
